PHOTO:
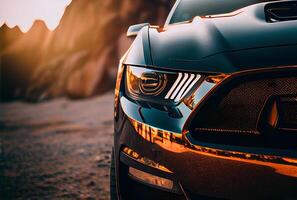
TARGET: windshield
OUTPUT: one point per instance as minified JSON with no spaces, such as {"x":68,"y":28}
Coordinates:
{"x":187,"y":9}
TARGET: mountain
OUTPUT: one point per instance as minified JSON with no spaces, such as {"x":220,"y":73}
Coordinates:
{"x":78,"y":59}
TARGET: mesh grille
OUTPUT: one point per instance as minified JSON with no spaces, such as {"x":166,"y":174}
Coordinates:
{"x":238,"y":108}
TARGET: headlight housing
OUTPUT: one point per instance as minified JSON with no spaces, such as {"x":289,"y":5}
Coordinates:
{"x":159,"y":86}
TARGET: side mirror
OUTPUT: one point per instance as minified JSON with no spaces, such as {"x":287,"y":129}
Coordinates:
{"x":134,"y":29}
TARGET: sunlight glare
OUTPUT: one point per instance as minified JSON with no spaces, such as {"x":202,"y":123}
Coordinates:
{"x":23,"y":13}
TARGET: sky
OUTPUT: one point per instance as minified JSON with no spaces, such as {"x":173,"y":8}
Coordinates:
{"x":23,"y":13}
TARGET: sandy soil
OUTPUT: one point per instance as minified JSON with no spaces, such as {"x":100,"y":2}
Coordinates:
{"x":56,"y":150}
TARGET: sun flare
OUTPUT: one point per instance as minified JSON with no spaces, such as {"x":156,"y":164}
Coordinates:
{"x":23,"y":13}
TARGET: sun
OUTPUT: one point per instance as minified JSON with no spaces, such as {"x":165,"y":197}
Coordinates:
{"x":23,"y":13}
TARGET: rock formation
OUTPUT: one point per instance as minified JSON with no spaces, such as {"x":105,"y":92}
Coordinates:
{"x":79,"y":59}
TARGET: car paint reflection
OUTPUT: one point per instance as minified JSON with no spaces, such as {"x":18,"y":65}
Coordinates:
{"x":181,"y":143}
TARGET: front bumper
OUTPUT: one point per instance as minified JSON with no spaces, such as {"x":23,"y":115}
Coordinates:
{"x":201,"y":170}
{"x":205,"y":171}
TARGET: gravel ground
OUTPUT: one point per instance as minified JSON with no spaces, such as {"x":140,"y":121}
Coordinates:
{"x":56,"y":150}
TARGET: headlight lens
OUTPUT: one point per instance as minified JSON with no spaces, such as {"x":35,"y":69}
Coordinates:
{"x":159,"y":86}
{"x":152,"y":83}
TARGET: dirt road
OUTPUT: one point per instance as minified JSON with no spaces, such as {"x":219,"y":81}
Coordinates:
{"x":56,"y":150}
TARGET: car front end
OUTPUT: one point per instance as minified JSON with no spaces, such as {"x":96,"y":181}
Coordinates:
{"x":200,"y":119}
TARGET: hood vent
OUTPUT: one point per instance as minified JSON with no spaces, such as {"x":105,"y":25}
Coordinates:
{"x":281,"y":11}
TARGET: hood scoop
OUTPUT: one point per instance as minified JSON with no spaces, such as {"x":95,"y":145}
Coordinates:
{"x":281,"y":11}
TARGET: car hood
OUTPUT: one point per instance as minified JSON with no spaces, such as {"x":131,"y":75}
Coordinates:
{"x":228,"y":43}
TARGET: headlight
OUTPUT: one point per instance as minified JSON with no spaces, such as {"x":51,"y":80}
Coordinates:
{"x":159,"y":86}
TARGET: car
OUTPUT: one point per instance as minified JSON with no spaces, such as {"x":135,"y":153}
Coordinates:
{"x":206,"y":104}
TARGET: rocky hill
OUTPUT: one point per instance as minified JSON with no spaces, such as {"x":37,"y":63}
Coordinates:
{"x":78,"y":59}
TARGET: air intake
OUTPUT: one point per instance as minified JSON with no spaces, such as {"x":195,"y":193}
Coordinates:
{"x":232,"y":113}
{"x":282,"y":11}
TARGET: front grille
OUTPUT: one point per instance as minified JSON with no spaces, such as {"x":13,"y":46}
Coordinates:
{"x":241,"y":107}
{"x":235,"y":107}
